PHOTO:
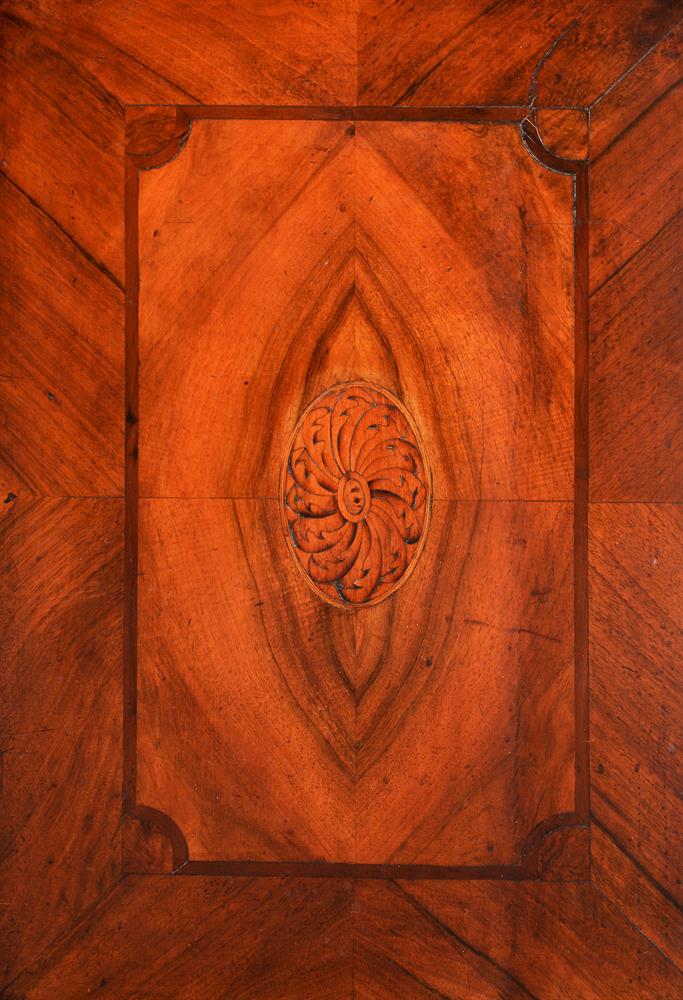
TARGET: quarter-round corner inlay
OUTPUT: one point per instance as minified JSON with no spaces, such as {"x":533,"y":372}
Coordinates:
{"x":355,"y":494}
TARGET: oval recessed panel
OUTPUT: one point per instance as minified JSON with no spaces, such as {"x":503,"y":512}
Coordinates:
{"x":356,"y":494}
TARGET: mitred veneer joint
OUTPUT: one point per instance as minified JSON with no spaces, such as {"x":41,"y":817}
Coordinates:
{"x":151,"y":843}
{"x":559,"y":847}
{"x":155,"y":136}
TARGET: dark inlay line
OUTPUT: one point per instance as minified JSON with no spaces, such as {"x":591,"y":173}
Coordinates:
{"x":509,"y":977}
{"x":102,"y":268}
{"x":415,"y":86}
{"x":632,"y":124}
{"x":435,"y":500}
{"x":581,"y":480}
{"x":350,"y":869}
{"x":130,"y":543}
{"x":627,"y":72}
{"x":549,"y":52}
{"x":637,"y":864}
{"x":472,"y":114}
{"x":643,"y":246}
{"x":312,"y":869}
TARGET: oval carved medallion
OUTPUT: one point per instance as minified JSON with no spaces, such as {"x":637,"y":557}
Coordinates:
{"x":356,"y":494}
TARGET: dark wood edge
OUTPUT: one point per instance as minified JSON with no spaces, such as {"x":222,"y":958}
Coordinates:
{"x":131,"y":491}
{"x":531,"y":120}
{"x":135,"y":162}
{"x":512,"y":114}
{"x":529,"y":868}
{"x":167,"y":151}
{"x":144,"y":820}
{"x":579,"y":169}
{"x":581,"y":451}
{"x":301,"y":869}
{"x":545,"y":833}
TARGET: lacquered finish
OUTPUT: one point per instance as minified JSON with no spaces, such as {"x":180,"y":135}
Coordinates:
{"x":211,"y":215}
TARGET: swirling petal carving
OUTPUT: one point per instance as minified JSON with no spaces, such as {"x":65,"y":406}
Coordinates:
{"x":356,"y":494}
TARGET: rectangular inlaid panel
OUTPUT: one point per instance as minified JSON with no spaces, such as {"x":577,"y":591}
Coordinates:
{"x":292,"y":704}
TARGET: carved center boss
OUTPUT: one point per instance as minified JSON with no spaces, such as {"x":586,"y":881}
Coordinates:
{"x":271,"y":729}
{"x":356,"y":494}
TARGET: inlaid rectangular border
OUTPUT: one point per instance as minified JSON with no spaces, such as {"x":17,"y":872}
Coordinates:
{"x":559,"y":848}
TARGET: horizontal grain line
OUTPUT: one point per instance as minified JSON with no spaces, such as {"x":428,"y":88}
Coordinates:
{"x":434,"y":499}
{"x":636,"y":503}
{"x":69,"y":496}
{"x":501,"y":114}
{"x":342,"y":869}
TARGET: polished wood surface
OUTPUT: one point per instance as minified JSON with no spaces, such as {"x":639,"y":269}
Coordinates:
{"x":383,"y":755}
{"x":475,"y":207}
{"x":356,"y":494}
{"x":374,"y":273}
{"x":373,"y":270}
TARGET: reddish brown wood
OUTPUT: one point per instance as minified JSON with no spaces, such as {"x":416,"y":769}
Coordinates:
{"x":60,"y":618}
{"x":441,"y":53}
{"x":480,"y":939}
{"x":636,"y":307}
{"x":62,"y":378}
{"x":646,"y":82}
{"x":321,"y":709}
{"x":337,"y":192}
{"x":175,"y":937}
{"x":636,"y":775}
{"x":223,"y":53}
{"x":370,"y":318}
{"x":356,"y":494}
{"x":564,"y":131}
{"x":312,"y":938}
{"x":436,"y":92}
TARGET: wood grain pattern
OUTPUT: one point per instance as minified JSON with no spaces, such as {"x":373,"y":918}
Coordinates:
{"x":637,"y":645}
{"x":274,"y":939}
{"x":226,"y":53}
{"x":637,"y":309}
{"x":61,"y":377}
{"x":564,"y":131}
{"x":482,"y":940}
{"x":356,"y":494}
{"x":353,"y":294}
{"x":645,"y":83}
{"x":371,"y":717}
{"x":214,"y":938}
{"x":443,"y":52}
{"x":60,"y":617}
{"x":71,"y":926}
{"x":72,"y":120}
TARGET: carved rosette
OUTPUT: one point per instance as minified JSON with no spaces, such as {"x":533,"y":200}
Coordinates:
{"x":356,"y":494}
